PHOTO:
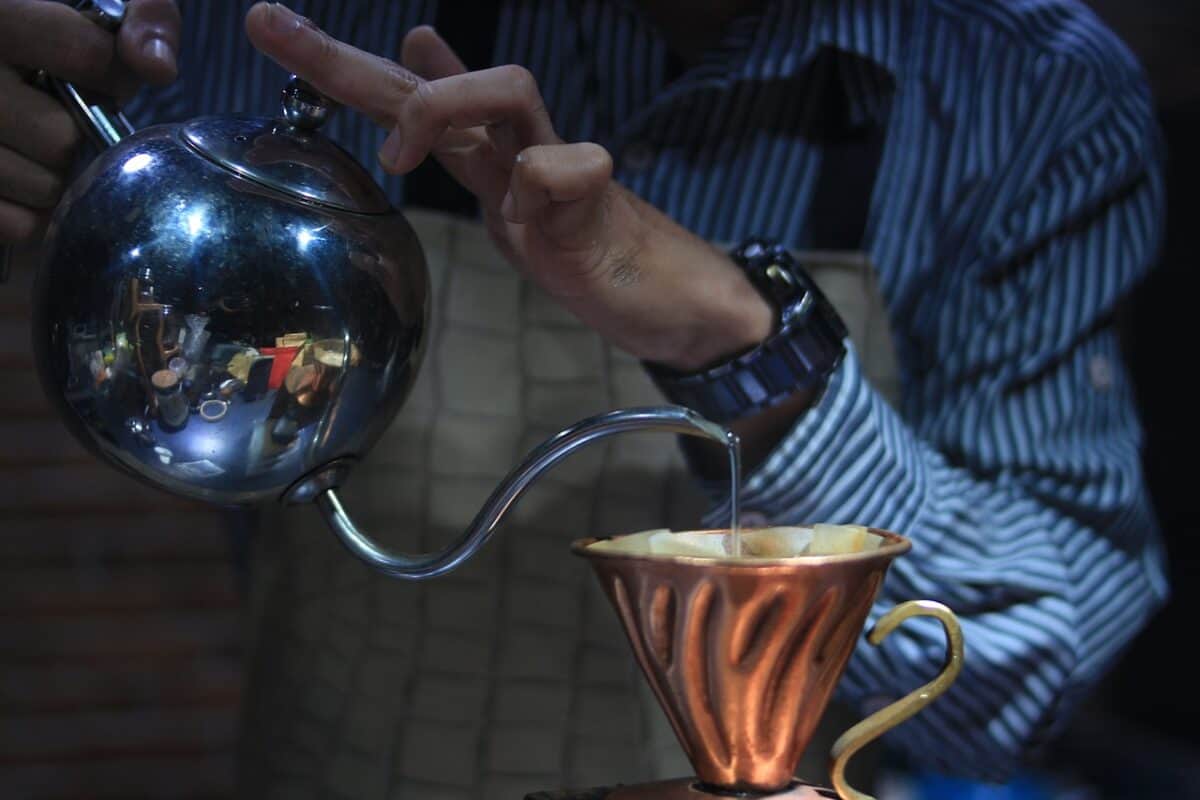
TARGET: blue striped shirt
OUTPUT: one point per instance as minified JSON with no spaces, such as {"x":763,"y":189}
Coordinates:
{"x":1019,"y":199}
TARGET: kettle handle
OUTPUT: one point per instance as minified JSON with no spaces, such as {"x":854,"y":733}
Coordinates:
{"x":99,"y":119}
{"x":103,"y":123}
{"x":671,"y":419}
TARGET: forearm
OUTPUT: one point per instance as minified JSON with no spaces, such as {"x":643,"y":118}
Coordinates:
{"x":1031,"y":568}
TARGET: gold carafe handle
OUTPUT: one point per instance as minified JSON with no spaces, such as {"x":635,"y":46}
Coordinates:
{"x":889,"y":717}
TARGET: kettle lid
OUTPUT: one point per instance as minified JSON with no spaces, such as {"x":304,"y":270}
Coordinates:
{"x":288,"y":154}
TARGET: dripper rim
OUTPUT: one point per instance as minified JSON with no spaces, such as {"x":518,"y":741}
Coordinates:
{"x":894,"y":545}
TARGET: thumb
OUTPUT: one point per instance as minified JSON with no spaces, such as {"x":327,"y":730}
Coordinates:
{"x":148,"y":40}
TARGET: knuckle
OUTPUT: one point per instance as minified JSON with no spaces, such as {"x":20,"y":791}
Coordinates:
{"x":18,"y":226}
{"x":389,"y":167}
{"x":47,"y":191}
{"x":424,"y":93}
{"x":87,"y":55}
{"x":529,"y":165}
{"x":327,"y":49}
{"x":596,"y":160}
{"x":423,"y":99}
{"x":398,"y":86}
{"x":60,"y":138}
{"x":521,"y":81}
{"x":523,"y":86}
{"x":403,"y":82}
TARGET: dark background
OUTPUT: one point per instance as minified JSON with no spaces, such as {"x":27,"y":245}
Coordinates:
{"x":120,"y":662}
{"x":1139,"y":736}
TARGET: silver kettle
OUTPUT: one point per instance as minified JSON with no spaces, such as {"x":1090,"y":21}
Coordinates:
{"x":230,"y":309}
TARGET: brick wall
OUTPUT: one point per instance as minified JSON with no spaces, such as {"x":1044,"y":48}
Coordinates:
{"x":120,"y":671}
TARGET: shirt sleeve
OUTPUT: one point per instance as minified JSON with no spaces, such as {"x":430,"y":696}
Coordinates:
{"x":1013,"y":462}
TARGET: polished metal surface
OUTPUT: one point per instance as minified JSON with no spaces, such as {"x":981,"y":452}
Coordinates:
{"x":744,"y":656}
{"x":284,"y":154}
{"x":330,"y":476}
{"x":215,"y":336}
{"x":896,"y":712}
{"x":108,"y":14}
{"x":303,"y":106}
{"x":668,"y":419}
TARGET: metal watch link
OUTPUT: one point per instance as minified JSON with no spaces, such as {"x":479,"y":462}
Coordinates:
{"x":803,"y":351}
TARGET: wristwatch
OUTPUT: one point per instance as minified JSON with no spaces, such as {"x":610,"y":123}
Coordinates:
{"x":802,"y":352}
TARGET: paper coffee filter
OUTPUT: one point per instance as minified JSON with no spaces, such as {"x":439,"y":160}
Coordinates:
{"x":774,"y":543}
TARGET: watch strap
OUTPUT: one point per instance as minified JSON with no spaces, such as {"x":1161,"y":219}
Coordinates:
{"x":803,"y":351}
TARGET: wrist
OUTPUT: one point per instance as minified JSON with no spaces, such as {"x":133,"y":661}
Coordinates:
{"x":801,"y":351}
{"x":727,"y":315}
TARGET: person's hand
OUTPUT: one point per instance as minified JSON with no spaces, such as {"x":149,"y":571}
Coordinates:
{"x":37,"y":135}
{"x":623,"y":267}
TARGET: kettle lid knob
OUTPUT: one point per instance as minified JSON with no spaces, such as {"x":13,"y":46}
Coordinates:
{"x":288,"y":153}
{"x":303,"y":106}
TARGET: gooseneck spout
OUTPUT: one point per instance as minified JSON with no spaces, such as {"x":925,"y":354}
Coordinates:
{"x":669,"y":419}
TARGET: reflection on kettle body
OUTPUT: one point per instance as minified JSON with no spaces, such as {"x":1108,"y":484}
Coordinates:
{"x":188,"y":294}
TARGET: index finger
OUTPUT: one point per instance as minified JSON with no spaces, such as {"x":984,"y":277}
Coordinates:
{"x":367,"y":83}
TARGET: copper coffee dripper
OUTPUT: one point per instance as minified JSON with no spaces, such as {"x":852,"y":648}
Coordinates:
{"x":744,"y":656}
